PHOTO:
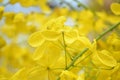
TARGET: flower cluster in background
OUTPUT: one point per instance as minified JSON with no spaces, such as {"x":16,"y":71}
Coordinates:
{"x":64,"y":40}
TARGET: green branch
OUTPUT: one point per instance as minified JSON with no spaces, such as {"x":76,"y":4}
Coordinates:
{"x":76,"y":57}
{"x":86,"y":49}
{"x":64,"y":45}
{"x":107,"y":31}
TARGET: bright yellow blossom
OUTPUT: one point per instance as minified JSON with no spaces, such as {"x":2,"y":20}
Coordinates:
{"x":61,"y":42}
{"x":115,"y":7}
{"x":67,"y":75}
{"x":103,"y":59}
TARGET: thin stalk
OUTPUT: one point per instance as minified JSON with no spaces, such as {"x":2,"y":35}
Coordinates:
{"x":107,"y":31}
{"x":86,"y":49}
{"x":75,"y":59}
{"x":64,"y":45}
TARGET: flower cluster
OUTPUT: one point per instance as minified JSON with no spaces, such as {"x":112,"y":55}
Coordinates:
{"x":59,"y":43}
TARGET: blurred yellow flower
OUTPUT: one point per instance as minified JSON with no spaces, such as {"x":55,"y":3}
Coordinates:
{"x":115,"y":7}
{"x":103,"y":59}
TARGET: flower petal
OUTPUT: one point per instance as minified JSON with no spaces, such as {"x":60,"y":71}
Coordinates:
{"x":103,"y":59}
{"x":115,"y":7}
{"x":50,"y":35}
{"x":36,"y":39}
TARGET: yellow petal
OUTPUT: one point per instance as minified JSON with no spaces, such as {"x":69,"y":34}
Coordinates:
{"x":40,"y":50}
{"x":115,"y":7}
{"x":18,"y":75}
{"x":36,"y":39}
{"x":78,"y":45}
{"x":103,"y":59}
{"x":49,"y":55}
{"x":104,"y":74}
{"x":71,"y":36}
{"x":50,"y":35}
{"x":67,"y":75}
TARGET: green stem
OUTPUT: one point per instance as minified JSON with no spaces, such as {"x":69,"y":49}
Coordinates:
{"x":64,"y":44}
{"x":107,"y":31}
{"x":74,"y":60}
{"x":86,"y":49}
{"x":84,"y":58}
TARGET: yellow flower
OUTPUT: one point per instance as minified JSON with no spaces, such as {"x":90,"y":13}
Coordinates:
{"x":67,"y":75}
{"x":9,"y":16}
{"x":109,"y":74}
{"x":100,"y":25}
{"x":115,"y":7}
{"x":46,"y":65}
{"x":19,"y":18}
{"x":113,"y":42}
{"x":55,"y":24}
{"x":78,"y":45}
{"x":37,"y":38}
{"x":4,"y":74}
{"x":49,"y":32}
{"x":50,"y":35}
{"x":9,"y":30}
{"x":103,"y":59}
{"x":13,"y":54}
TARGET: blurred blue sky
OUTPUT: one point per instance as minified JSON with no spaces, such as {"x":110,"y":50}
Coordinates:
{"x":18,"y":8}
